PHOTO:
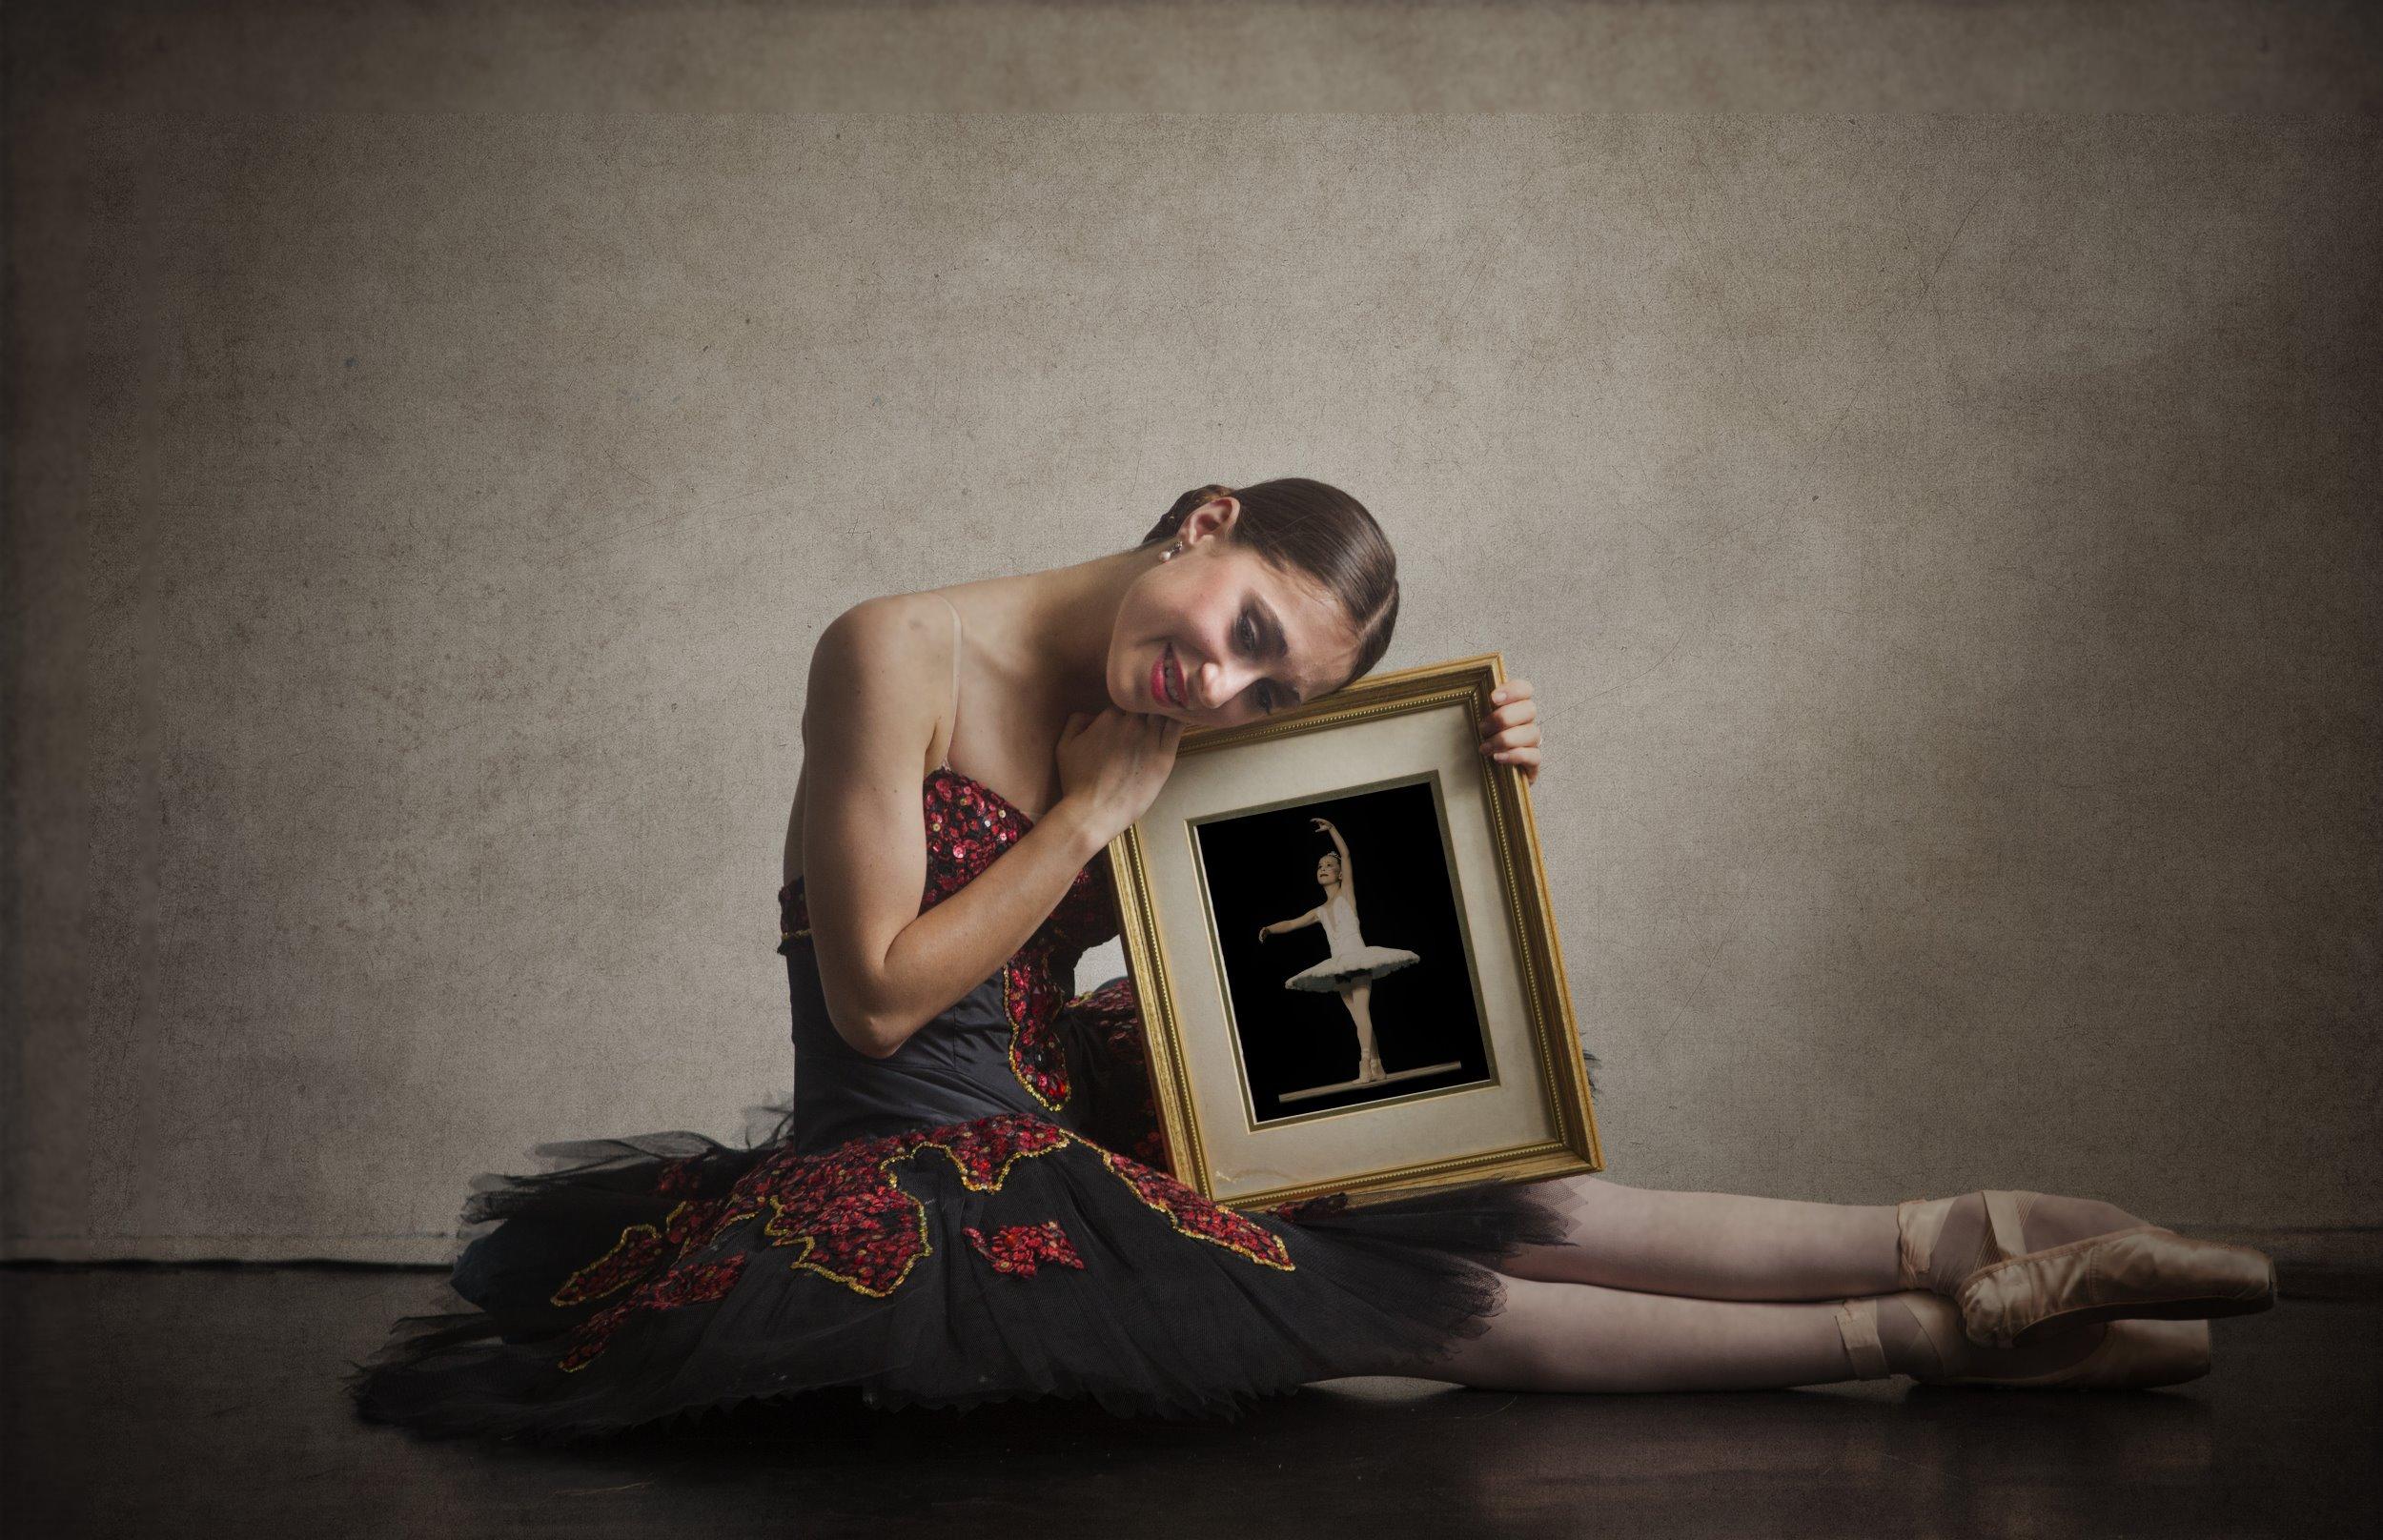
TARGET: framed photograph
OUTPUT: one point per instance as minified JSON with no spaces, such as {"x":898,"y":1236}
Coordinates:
{"x":1339,"y":932}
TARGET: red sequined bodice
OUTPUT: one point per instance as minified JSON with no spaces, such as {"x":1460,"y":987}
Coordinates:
{"x":968,"y":825}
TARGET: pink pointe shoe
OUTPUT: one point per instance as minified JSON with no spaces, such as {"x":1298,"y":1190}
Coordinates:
{"x":2016,"y":1296}
{"x":2132,"y":1355}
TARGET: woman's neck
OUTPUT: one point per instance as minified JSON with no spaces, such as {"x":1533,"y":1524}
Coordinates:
{"x":1050,"y":631}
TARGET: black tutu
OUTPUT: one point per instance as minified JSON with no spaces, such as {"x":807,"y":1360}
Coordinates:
{"x":982,"y":1216}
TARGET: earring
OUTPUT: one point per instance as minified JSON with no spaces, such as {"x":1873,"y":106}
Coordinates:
{"x":1172,"y":552}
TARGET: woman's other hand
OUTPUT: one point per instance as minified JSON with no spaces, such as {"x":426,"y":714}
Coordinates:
{"x":1114,"y":763}
{"x":1509,"y":733}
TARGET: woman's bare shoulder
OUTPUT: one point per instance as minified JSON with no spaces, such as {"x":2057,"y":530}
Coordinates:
{"x":910,"y":633}
{"x":879,"y":677}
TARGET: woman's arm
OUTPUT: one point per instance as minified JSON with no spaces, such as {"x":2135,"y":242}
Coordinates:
{"x":877,"y":682}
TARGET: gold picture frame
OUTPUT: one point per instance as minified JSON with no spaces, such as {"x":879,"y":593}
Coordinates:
{"x":1519,"y":1110}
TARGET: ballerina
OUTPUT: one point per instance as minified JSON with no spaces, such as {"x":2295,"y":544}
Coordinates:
{"x":1353,"y":966}
{"x":968,"y":1199}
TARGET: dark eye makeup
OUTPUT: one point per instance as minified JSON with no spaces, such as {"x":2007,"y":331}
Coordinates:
{"x":1266,"y":695}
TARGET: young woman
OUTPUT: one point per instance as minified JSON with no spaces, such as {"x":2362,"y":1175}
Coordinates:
{"x":1353,"y":966}
{"x":965,"y":1201}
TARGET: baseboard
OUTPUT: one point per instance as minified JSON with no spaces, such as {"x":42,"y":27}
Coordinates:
{"x":422,"y":1251}
{"x":2341,"y":1262}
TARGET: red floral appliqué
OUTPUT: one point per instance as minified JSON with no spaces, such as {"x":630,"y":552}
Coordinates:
{"x":841,"y":1209}
{"x":1031,"y":995}
{"x":1021,"y":1248}
{"x":968,"y":825}
{"x":696,"y":1285}
{"x":847,"y":1219}
{"x":1194,"y":1215}
{"x":680,"y":1175}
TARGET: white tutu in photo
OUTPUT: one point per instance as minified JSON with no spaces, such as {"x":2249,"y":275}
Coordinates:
{"x":1350,"y":968}
{"x":1353,"y":960}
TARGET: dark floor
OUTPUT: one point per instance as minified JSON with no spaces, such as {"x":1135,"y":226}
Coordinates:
{"x":203,"y":1402}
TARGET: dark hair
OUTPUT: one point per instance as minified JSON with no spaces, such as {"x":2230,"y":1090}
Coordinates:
{"x":1318,"y":532}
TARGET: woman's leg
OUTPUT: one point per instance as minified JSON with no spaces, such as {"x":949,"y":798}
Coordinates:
{"x":1579,"y":1337}
{"x":1711,"y":1245}
{"x":1716,"y":1246}
{"x":1559,"y":1336}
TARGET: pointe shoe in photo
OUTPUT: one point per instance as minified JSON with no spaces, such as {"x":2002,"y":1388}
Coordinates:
{"x":2142,"y":1272}
{"x":2132,"y":1355}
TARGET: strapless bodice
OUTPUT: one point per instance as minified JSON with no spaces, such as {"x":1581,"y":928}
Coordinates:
{"x":969,"y":824}
{"x":997,"y":1048}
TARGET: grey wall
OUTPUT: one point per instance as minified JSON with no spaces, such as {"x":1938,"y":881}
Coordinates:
{"x":1924,"y":459}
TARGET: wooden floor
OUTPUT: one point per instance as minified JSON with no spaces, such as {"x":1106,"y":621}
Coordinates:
{"x":204,"y":1402}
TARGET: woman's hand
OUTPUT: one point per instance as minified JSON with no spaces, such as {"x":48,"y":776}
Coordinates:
{"x":1263,"y":931}
{"x":1511,"y":732}
{"x":1114,"y":763}
{"x":1320,"y":826}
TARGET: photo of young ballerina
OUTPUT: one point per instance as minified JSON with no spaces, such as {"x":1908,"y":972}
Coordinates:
{"x":1325,"y":1015}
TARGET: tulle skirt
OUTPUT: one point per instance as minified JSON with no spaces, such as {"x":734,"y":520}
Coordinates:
{"x":1343,"y":968}
{"x":642,"y":1278}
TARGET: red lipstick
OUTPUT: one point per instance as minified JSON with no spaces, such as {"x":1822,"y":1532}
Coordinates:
{"x":1162,"y":685}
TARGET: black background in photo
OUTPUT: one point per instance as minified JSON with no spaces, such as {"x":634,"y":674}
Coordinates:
{"x":1261,"y":868}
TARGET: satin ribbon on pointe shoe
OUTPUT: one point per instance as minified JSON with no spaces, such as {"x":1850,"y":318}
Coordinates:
{"x":1917,"y":1223}
{"x":2132,"y":1355}
{"x":1857,"y":1324}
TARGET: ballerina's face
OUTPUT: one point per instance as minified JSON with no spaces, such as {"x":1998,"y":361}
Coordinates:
{"x":1219,"y":636}
{"x":1328,"y":870}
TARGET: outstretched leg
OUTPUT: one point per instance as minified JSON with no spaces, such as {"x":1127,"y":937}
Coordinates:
{"x":1717,"y":1246}
{"x":1560,"y":1336}
{"x":1579,"y":1337}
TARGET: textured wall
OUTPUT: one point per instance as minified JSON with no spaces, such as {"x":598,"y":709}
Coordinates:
{"x":1923,"y":457}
